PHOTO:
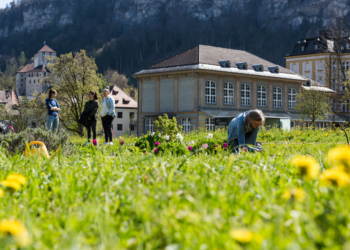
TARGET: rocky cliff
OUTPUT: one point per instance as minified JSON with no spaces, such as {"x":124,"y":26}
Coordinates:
{"x":269,"y":12}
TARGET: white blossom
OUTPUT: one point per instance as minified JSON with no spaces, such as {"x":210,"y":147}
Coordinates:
{"x":152,"y":134}
{"x":166,"y":137}
{"x":179,"y":136}
{"x":210,"y":136}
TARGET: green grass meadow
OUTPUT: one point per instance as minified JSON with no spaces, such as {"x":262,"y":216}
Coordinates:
{"x":118,"y":197}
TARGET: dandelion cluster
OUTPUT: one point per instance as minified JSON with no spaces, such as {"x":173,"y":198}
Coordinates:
{"x":14,"y":182}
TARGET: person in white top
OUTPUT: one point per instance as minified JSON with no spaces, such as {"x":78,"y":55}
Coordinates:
{"x":107,"y":115}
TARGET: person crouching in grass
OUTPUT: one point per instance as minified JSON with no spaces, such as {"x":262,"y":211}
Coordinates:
{"x":243,"y":130}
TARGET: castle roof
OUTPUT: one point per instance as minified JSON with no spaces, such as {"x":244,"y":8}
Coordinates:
{"x":27,"y":68}
{"x":46,"y":49}
{"x":122,"y":100}
{"x":40,"y":68}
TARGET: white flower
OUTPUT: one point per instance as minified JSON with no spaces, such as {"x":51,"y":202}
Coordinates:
{"x":210,"y":136}
{"x":152,"y":134}
{"x":191,"y":143}
{"x":179,"y":136}
{"x":166,"y":137}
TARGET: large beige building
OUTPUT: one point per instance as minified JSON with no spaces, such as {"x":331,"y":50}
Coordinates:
{"x":205,"y":87}
{"x":316,"y":59}
{"x":28,"y":78}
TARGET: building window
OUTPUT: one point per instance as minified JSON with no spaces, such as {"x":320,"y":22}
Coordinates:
{"x":43,"y":54}
{"x":30,"y":81}
{"x":186,"y":124}
{"x":34,"y":81}
{"x":245,"y":95}
{"x":308,"y":124}
{"x":210,"y":124}
{"x":120,"y":114}
{"x":277,"y":97}
{"x":262,"y":93}
{"x":44,"y":74}
{"x":345,"y":65}
{"x":119,"y":127}
{"x":228,"y":93}
{"x":21,"y":80}
{"x":292,"y":124}
{"x":302,"y":48}
{"x":347,"y":46}
{"x":345,"y":106}
{"x":322,"y":125}
{"x":316,"y":47}
{"x":149,"y":126}
{"x":292,"y":98}
{"x":210,"y":92}
{"x":132,"y":115}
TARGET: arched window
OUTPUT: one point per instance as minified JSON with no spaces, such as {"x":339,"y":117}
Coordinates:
{"x":277,"y":97}
{"x":228,"y":93}
{"x":262,"y":93}
{"x":245,"y":95}
{"x":210,"y":92}
{"x":292,"y":98}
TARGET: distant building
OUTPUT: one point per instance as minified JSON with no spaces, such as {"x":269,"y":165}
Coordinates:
{"x":316,"y":59}
{"x":8,"y":97}
{"x":205,"y":87}
{"x":28,"y":78}
{"x":126,"y":111}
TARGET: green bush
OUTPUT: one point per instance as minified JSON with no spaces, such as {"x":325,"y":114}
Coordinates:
{"x":13,"y":142}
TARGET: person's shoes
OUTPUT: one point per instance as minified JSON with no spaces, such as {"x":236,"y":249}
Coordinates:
{"x":105,"y":143}
{"x":88,"y":143}
{"x":111,"y":143}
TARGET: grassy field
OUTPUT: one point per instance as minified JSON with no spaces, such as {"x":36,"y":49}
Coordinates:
{"x":118,"y":197}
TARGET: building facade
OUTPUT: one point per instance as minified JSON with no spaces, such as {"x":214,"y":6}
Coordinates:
{"x":125,"y":110}
{"x":28,"y":78}
{"x":205,"y":87}
{"x":325,"y":62}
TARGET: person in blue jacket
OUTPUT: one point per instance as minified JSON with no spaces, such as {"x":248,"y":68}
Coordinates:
{"x":243,"y":130}
{"x":107,"y":115}
{"x":53,"y":108}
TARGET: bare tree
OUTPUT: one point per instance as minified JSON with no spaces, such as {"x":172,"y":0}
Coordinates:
{"x":114,"y":78}
{"x":334,"y":42}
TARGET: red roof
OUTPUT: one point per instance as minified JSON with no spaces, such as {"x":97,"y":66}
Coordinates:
{"x":46,"y":49}
{"x":122,"y":100}
{"x":27,"y":68}
{"x":40,"y":68}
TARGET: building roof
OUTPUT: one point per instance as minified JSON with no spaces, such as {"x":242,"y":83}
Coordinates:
{"x":122,"y":100}
{"x":211,"y":58}
{"x":324,"y":44}
{"x":40,"y":68}
{"x":27,"y":68}
{"x":318,"y":88}
{"x":46,"y":49}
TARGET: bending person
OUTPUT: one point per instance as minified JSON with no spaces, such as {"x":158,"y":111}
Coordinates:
{"x":107,"y":115}
{"x":53,"y":108}
{"x":92,"y":105}
{"x":243,"y":130}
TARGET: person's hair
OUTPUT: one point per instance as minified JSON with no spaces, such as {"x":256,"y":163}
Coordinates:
{"x":107,"y":89}
{"x":52,"y":91}
{"x":257,"y":116}
{"x":94,"y":94}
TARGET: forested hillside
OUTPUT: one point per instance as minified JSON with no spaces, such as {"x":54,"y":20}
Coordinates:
{"x":128,"y":35}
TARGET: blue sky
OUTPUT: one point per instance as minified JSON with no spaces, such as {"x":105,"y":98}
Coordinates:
{"x":3,"y":3}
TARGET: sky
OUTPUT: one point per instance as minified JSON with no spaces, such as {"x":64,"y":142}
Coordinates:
{"x":3,"y":3}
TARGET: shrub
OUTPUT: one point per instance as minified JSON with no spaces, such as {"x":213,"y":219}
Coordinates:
{"x":17,"y":142}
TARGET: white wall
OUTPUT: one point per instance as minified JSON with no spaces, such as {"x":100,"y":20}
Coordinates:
{"x":125,"y":121}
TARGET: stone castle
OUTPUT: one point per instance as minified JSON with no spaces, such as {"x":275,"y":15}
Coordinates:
{"x":28,"y":78}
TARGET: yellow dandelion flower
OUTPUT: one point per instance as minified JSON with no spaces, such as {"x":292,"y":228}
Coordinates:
{"x":17,"y":177}
{"x":12,"y":185}
{"x":17,"y":230}
{"x":243,"y":236}
{"x":340,"y":156}
{"x":297,"y":194}
{"x":307,"y":166}
{"x":335,"y":177}
{"x":2,"y":193}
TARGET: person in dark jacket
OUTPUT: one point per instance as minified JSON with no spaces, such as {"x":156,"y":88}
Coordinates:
{"x":53,"y":108}
{"x":92,"y":105}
